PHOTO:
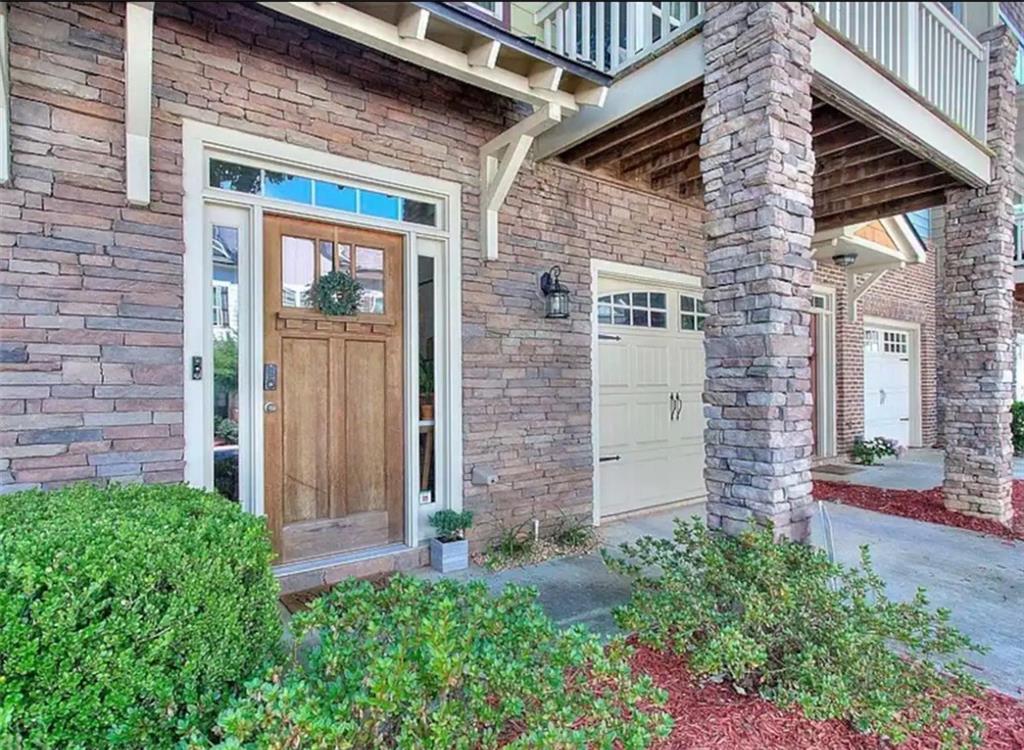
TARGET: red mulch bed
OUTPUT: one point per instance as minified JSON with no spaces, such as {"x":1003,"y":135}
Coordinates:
{"x":715,"y":716}
{"x":922,"y":505}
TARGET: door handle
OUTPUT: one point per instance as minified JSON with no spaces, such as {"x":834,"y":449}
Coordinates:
{"x":606,"y":459}
{"x":881,"y":396}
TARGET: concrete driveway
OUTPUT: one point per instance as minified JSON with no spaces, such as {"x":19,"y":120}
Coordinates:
{"x":980,"y":578}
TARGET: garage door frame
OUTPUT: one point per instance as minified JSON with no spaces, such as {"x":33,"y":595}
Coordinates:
{"x":914,"y":346}
{"x":611,"y":269}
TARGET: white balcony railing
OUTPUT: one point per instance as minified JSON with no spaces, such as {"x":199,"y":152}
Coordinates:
{"x":611,"y":36}
{"x":919,"y":42}
{"x":924,"y":45}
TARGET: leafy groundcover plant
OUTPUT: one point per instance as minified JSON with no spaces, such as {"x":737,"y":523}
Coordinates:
{"x":128,"y":614}
{"x":415,"y":664}
{"x":779,"y":618}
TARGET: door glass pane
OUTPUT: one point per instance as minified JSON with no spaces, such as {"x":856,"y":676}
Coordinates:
{"x":345,"y":258}
{"x":326,"y":257}
{"x":370,"y":273}
{"x":225,"y":246}
{"x":298,"y":261}
{"x":428,"y":453}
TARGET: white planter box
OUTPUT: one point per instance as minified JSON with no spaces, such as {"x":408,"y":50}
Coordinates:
{"x":447,"y":557}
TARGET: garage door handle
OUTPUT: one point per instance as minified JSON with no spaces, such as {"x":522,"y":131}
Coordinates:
{"x":605,"y":459}
{"x":881,"y":396}
{"x":608,"y":337}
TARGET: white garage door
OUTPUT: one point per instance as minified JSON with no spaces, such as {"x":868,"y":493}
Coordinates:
{"x":650,"y":380}
{"x":887,"y":384}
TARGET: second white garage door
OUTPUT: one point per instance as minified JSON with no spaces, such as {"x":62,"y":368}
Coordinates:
{"x":887,"y":383}
{"x":650,"y":381}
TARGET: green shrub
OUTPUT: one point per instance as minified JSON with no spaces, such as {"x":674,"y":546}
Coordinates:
{"x":1017,"y":427}
{"x":415,"y":664}
{"x":867,"y":452}
{"x":779,"y":618}
{"x":127,"y":614}
{"x":451,"y":525}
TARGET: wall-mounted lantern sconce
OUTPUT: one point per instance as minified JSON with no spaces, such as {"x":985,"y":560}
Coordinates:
{"x":556,"y":296}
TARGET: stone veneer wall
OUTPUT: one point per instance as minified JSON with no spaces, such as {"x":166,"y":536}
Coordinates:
{"x":91,"y":289}
{"x":976,"y":322}
{"x":757,"y":165}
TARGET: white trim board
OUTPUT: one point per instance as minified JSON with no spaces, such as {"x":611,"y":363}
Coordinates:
{"x":914,"y":339}
{"x":826,"y":426}
{"x":612,"y":269}
{"x":441,"y":243}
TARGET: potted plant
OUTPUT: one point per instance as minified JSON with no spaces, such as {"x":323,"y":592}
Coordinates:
{"x":449,"y":550}
{"x":426,"y":389}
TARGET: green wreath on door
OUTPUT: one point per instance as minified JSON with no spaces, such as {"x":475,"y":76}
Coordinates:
{"x":336,"y":293}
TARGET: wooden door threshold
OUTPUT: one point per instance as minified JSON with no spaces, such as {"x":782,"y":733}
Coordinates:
{"x":310,"y":574}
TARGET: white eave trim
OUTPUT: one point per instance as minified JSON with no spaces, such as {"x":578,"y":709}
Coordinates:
{"x":5,"y":100}
{"x":138,"y":100}
{"x":477,"y":67}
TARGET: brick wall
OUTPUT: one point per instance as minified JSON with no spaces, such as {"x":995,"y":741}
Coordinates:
{"x":92,"y":289}
{"x":904,"y":295}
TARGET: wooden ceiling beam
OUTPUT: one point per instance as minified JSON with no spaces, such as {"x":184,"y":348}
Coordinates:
{"x":666,"y":162}
{"x":869,"y":153}
{"x":892,"y":178}
{"x":884,"y":197}
{"x":643,"y":160}
{"x":864,"y":170}
{"x":641,"y":124}
{"x":685,"y":124}
{"x":827,"y":119}
{"x":880,"y":210}
{"x":678,"y":176}
{"x":850,"y":136}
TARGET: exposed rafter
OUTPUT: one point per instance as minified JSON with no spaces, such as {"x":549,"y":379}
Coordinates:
{"x":138,"y":99}
{"x":413,"y":23}
{"x":484,"y":54}
{"x":500,"y":160}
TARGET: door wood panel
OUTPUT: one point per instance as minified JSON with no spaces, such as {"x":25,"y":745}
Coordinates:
{"x":334,"y":436}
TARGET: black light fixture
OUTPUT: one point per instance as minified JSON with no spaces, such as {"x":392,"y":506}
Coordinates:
{"x":844,"y":260}
{"x":556,"y":296}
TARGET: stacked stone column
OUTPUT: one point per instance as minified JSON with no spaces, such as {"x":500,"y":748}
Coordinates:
{"x":976,"y":320}
{"x":757,"y":164}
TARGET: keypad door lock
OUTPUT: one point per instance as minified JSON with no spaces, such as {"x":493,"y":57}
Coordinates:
{"x":270,"y":377}
{"x":197,"y":368}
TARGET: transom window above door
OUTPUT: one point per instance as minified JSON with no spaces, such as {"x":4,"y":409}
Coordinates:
{"x":243,"y":178}
{"x":637,"y":309}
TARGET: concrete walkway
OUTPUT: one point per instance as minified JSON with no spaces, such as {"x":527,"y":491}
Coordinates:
{"x":919,"y":469}
{"x":980,"y":578}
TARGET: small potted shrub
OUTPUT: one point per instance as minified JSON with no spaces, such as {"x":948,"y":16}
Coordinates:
{"x":449,"y":550}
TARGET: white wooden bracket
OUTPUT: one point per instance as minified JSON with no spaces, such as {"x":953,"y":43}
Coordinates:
{"x":500,"y":160}
{"x":138,"y":99}
{"x":5,"y":100}
{"x":858,"y":289}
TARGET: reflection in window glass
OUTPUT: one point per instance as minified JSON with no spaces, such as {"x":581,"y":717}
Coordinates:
{"x":418,"y":212}
{"x":287,"y":187}
{"x":428,"y":456}
{"x":298,"y":261}
{"x":326,"y":257}
{"x":691,"y":313}
{"x":370,"y":273}
{"x":338,"y":197}
{"x":378,"y":204}
{"x":640,"y":309}
{"x":238,"y":177}
{"x":224,"y":284}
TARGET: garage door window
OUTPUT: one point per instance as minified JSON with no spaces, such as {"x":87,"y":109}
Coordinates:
{"x":894,"y":342}
{"x":871,"y":341}
{"x":637,"y":309}
{"x":691,"y":313}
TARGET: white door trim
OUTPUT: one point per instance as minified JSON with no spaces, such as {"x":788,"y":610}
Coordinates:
{"x":914,"y":340}
{"x":612,"y":269}
{"x":443,"y":243}
{"x":826,"y":349}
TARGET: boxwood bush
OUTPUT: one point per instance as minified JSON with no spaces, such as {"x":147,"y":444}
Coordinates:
{"x":780,"y":619}
{"x":1017,"y":427}
{"x":415,"y":664}
{"x":128,"y":615}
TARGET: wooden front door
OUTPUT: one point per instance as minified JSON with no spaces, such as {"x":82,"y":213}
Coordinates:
{"x":332,"y":391}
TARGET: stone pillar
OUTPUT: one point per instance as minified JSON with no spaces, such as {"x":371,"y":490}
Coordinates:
{"x":757,"y":164}
{"x":977,"y":313}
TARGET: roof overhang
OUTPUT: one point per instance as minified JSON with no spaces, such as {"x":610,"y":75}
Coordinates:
{"x":446,"y":40}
